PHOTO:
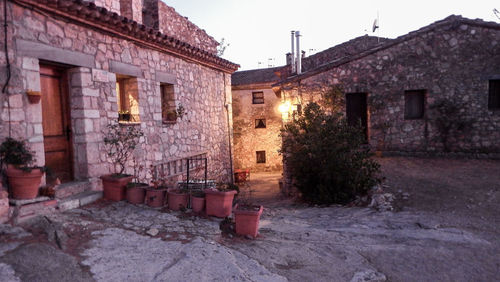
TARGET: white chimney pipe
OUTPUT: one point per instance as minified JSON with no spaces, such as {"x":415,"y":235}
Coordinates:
{"x":299,"y":55}
{"x":293,"y":52}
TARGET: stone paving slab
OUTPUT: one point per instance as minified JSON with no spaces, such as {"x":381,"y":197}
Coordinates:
{"x":110,"y":242}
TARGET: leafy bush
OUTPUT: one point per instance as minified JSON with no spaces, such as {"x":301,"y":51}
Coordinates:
{"x":325,"y":157}
{"x":120,"y":143}
{"x":16,"y":152}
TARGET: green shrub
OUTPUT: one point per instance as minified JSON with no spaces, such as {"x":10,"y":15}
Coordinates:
{"x":325,"y":157}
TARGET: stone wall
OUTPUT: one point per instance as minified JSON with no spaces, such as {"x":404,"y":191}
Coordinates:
{"x":92,"y":60}
{"x":247,"y":138}
{"x":164,"y":18}
{"x":453,"y":61}
{"x":111,"y":5}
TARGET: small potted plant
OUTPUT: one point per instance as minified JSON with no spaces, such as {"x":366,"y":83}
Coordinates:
{"x":177,"y":198}
{"x":155,"y":194}
{"x":136,"y":190}
{"x":175,"y":114}
{"x":246,"y":218}
{"x":24,"y":179}
{"x":120,"y":143}
{"x":124,"y":115}
{"x":219,"y":201}
{"x":198,"y":201}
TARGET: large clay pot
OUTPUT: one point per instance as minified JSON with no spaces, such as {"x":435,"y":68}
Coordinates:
{"x":24,"y":184}
{"x":247,"y":220}
{"x":155,"y":197}
{"x":177,"y":199}
{"x":219,"y":203}
{"x":136,"y":193}
{"x":197,"y":204}
{"x":114,"y":187}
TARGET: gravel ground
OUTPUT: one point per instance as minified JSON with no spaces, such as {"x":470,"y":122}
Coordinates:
{"x":445,"y":228}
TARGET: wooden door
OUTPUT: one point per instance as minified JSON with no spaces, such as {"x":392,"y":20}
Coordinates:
{"x":356,"y":111}
{"x":56,"y":123}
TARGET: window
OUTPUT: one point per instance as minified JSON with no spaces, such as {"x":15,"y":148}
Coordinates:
{"x":127,"y":98}
{"x":414,"y":104}
{"x":261,"y":157}
{"x":260,"y":123}
{"x":494,"y":95}
{"x":258,"y":97}
{"x":168,"y":113}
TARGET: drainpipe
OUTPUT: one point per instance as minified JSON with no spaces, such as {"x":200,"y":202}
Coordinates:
{"x":293,"y":52}
{"x":226,"y":105}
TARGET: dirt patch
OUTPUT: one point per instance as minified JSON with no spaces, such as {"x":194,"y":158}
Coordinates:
{"x":466,"y":192}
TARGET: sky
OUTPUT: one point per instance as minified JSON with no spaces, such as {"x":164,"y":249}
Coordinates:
{"x":258,"y":31}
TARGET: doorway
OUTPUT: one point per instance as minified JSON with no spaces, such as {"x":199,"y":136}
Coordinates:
{"x":357,"y":111}
{"x":56,"y":123}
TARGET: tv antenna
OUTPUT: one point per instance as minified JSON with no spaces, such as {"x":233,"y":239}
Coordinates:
{"x":497,"y":13}
{"x":376,"y":26}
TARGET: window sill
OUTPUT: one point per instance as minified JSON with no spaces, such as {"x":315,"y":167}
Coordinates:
{"x":169,"y":122}
{"x":129,"y":122}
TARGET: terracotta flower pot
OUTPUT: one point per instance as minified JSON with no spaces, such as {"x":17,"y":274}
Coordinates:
{"x":136,"y":193}
{"x":247,"y":220}
{"x":155,"y":197}
{"x":23,"y":184}
{"x":197,"y":204}
{"x":114,"y":187}
{"x":177,"y":199}
{"x":219,"y":203}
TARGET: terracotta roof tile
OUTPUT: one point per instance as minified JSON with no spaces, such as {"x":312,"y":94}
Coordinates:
{"x":100,"y":18}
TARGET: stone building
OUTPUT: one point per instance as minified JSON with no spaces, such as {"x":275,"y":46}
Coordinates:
{"x":393,"y":87}
{"x":256,"y":120}
{"x":108,"y":61}
{"x":397,"y":87}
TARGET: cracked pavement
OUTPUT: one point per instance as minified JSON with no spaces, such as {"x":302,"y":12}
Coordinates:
{"x":113,"y":242}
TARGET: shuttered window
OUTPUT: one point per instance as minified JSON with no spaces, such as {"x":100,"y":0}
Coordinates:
{"x":494,"y":95}
{"x":414,"y":104}
{"x":258,"y":97}
{"x":261,"y":157}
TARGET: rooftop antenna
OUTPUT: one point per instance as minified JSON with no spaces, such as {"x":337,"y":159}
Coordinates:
{"x":497,"y":13}
{"x":270,"y":62}
{"x":376,"y":26}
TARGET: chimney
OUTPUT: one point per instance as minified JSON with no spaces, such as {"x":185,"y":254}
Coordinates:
{"x":288,"y":59}
{"x":132,"y":9}
{"x":299,"y":56}
{"x":292,"y":62}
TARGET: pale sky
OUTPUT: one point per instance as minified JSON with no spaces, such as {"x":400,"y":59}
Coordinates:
{"x":259,"y":30}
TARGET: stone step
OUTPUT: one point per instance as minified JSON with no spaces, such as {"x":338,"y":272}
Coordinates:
{"x":22,"y":210}
{"x":66,"y":190}
{"x":78,"y":200}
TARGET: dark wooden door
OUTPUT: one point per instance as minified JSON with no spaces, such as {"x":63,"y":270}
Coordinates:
{"x":56,"y":123}
{"x":356,"y":110}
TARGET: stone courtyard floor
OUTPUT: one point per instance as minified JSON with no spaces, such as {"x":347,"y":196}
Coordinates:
{"x":445,"y":227}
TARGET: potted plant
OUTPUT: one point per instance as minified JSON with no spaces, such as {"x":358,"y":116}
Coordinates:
{"x":178,"y":113}
{"x":177,"y":198}
{"x":24,"y":179}
{"x":198,"y":201}
{"x":219,"y":201}
{"x":120,"y":143}
{"x":246,"y":218}
{"x":34,"y":97}
{"x":136,"y":190}
{"x":155,"y":194}
{"x":124,"y":115}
